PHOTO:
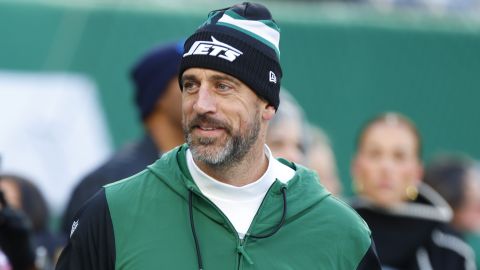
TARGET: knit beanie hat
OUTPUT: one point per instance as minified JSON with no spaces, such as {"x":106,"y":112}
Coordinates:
{"x":152,"y":74}
{"x":242,"y":41}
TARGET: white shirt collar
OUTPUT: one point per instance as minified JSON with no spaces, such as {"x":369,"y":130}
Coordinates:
{"x":212,"y":187}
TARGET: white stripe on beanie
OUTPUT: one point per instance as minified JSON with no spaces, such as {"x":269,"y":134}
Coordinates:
{"x":254,"y":27}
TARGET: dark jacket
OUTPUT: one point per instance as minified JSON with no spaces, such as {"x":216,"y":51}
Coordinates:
{"x":159,"y":219}
{"x":416,"y":235}
{"x":128,"y":161}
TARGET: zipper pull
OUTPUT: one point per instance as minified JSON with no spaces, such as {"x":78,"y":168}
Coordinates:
{"x":242,"y":251}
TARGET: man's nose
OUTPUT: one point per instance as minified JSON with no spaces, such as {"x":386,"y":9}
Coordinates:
{"x":205,"y":102}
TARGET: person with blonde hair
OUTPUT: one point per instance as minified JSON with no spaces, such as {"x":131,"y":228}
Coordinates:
{"x":408,"y":219}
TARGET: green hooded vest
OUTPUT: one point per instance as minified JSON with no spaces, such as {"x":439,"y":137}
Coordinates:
{"x":152,"y":227}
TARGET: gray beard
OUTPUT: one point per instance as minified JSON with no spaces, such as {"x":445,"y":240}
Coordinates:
{"x":234,"y":150}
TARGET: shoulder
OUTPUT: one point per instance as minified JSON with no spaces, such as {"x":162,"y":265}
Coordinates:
{"x":142,"y":186}
{"x":328,"y":206}
{"x":350,"y":233}
{"x":148,"y":180}
{"x":91,"y":244}
{"x":330,"y":214}
{"x":333,"y":223}
{"x":341,"y":213}
{"x":124,"y":163}
{"x":94,"y":214}
{"x":128,"y":182}
{"x":130,"y":189}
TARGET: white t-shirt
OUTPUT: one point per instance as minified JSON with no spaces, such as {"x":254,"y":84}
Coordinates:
{"x":240,"y":204}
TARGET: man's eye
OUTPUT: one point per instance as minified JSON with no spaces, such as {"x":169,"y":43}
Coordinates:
{"x":188,"y":86}
{"x":223,"y":87}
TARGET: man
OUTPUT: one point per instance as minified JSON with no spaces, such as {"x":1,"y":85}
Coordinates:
{"x":158,"y":100}
{"x":222,"y":201}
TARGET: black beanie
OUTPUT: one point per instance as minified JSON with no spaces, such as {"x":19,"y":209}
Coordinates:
{"x":153,"y":72}
{"x":242,"y":41}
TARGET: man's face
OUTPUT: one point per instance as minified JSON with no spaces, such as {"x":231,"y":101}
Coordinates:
{"x":222,"y":117}
{"x":386,"y":163}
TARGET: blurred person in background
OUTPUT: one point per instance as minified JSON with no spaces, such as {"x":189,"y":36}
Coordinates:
{"x":290,"y":136}
{"x":408,"y":219}
{"x":17,"y":248}
{"x":22,"y":195}
{"x":286,"y":134}
{"x":474,"y":238}
{"x":457,"y":180}
{"x":320,"y":158}
{"x":158,"y":98}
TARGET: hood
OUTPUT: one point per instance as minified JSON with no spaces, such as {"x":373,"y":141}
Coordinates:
{"x":302,"y":191}
{"x":429,"y":205}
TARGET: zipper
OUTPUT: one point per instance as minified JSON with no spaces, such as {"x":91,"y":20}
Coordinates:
{"x":230,"y":225}
{"x":244,"y":240}
{"x":241,"y":253}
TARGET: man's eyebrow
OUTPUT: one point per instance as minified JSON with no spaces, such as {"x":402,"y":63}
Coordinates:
{"x":188,"y":77}
{"x":226,"y":78}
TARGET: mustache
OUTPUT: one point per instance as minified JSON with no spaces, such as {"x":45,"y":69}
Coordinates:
{"x":204,"y":119}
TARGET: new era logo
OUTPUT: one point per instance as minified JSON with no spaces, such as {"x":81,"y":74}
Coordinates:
{"x":273,"y":77}
{"x":74,"y":227}
{"x":214,"y":48}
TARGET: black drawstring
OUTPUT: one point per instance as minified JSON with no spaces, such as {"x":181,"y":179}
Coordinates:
{"x":258,"y":236}
{"x":284,"y":214}
{"x":192,"y":224}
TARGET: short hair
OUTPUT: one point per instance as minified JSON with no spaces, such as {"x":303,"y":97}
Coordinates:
{"x":318,"y":137}
{"x":390,"y":117}
{"x":447,"y":175}
{"x":291,"y":110}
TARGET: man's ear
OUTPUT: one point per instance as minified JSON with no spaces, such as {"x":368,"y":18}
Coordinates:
{"x":268,"y":112}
